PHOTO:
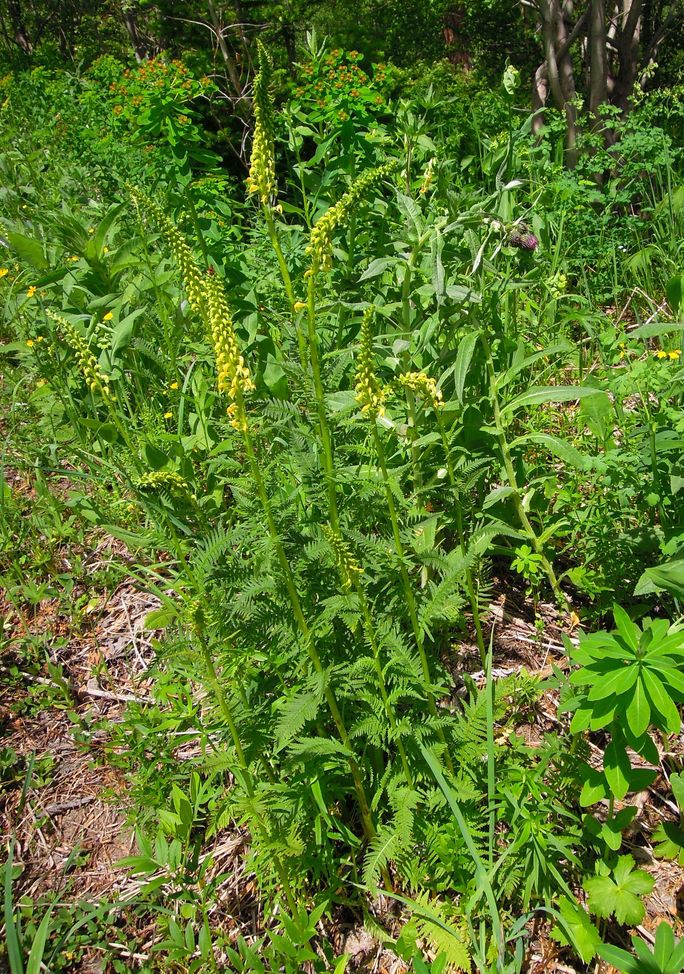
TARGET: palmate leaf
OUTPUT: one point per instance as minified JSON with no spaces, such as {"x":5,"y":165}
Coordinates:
{"x":620,"y":892}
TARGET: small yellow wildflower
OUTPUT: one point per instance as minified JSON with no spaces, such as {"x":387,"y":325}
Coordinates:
{"x":661,"y":354}
{"x":4,"y":271}
{"x":31,"y":291}
{"x":168,"y":415}
{"x":91,"y":229}
{"x":173,"y":385}
{"x":40,"y":383}
{"x":105,"y":250}
{"x":74,"y":257}
{"x":108,"y":316}
{"x":299,"y":305}
{"x":41,"y":338}
{"x":30,"y":343}
{"x":674,"y":355}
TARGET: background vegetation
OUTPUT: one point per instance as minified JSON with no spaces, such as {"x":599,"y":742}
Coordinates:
{"x":329,"y":333}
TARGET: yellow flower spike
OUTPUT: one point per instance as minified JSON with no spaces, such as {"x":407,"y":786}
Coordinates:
{"x":88,"y":365}
{"x":183,"y":256}
{"x":347,"y":566}
{"x":163,"y":478}
{"x":233,"y":376}
{"x":262,"y":179}
{"x":369,"y":393}
{"x":31,"y":291}
{"x":108,"y":316}
{"x":4,"y":271}
{"x":424,"y":386}
{"x":320,"y":248}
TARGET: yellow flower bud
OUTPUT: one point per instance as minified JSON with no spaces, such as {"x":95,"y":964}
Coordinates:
{"x":369,"y":393}
{"x":423,"y":386}
{"x":262,"y":178}
{"x":88,"y":365}
{"x":347,"y":566}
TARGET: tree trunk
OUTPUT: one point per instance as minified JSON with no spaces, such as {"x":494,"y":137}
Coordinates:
{"x":131,"y":24}
{"x":559,"y":70}
{"x":19,"y":34}
{"x":627,"y":42}
{"x":228,"y":59}
{"x":598,"y":58}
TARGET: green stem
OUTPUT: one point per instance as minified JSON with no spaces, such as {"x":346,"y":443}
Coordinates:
{"x":470,"y":586}
{"x":282,"y":264}
{"x":654,"y":452}
{"x":305,"y":631}
{"x":287,"y":280}
{"x":328,"y":462}
{"x":410,"y":398}
{"x":408,"y":590}
{"x":512,"y":480}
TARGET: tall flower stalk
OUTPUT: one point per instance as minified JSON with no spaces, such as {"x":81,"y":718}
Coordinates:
{"x":235,"y":382}
{"x":261,"y":181}
{"x":320,"y":251}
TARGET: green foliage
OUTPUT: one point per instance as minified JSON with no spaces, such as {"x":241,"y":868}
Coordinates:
{"x":323,"y":419}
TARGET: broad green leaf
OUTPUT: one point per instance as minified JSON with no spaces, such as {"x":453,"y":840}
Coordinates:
{"x":629,"y":631}
{"x":617,"y":681}
{"x":11,"y":937}
{"x":677,"y":785}
{"x":674,"y":290}
{"x":663,"y":705}
{"x":620,"y":959}
{"x":559,"y":448}
{"x":574,"y":928}
{"x":275,"y":379}
{"x":28,"y":249}
{"x":668,"y":841}
{"x":160,"y":618}
{"x":463,"y":359}
{"x":123,"y":331}
{"x":377,"y":267}
{"x":551,"y":351}
{"x":594,"y":788}
{"x":639,"y":710}
{"x":617,"y":769}
{"x":499,"y":494}
{"x":668,"y":577}
{"x":542,"y":394}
